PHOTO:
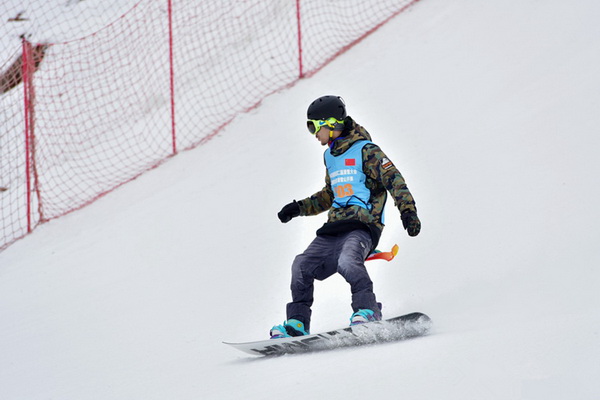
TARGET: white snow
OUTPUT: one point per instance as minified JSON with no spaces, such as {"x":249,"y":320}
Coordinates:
{"x":491,"y":111}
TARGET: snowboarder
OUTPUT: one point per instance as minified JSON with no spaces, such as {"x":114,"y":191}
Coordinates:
{"x":358,"y":173}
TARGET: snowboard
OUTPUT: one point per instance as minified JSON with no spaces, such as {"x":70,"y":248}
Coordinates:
{"x":393,"y":329}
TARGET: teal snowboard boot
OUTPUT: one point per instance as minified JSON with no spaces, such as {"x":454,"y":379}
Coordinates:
{"x":290,"y":328}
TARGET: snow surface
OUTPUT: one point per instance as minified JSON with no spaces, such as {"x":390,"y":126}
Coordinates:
{"x":489,"y":109}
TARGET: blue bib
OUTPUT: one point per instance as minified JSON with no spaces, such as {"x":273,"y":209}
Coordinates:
{"x":347,"y":177}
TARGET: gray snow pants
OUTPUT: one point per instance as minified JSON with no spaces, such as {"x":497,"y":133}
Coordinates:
{"x":325,"y":256}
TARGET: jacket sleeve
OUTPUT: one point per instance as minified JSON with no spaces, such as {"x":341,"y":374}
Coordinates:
{"x":318,"y":202}
{"x":380,"y":168}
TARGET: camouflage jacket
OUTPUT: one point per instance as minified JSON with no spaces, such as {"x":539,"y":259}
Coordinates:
{"x":382,"y":176}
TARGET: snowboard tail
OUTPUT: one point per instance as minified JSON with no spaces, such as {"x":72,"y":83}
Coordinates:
{"x":393,"y":329}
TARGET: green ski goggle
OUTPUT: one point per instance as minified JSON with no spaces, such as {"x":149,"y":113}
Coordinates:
{"x":314,"y":125}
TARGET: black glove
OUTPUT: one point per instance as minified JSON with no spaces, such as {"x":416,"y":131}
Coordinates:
{"x":411,"y":222}
{"x":289,"y":211}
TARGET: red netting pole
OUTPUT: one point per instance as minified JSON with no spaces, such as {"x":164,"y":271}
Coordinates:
{"x":172,"y":77}
{"x":298,"y":19}
{"x":26,"y":77}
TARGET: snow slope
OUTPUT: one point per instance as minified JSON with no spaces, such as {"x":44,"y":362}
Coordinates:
{"x":490,"y":110}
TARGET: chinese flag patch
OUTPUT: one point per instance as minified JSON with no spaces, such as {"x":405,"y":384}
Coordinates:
{"x":350,"y":162}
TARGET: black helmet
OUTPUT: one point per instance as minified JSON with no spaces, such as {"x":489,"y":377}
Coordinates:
{"x":326,"y":107}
